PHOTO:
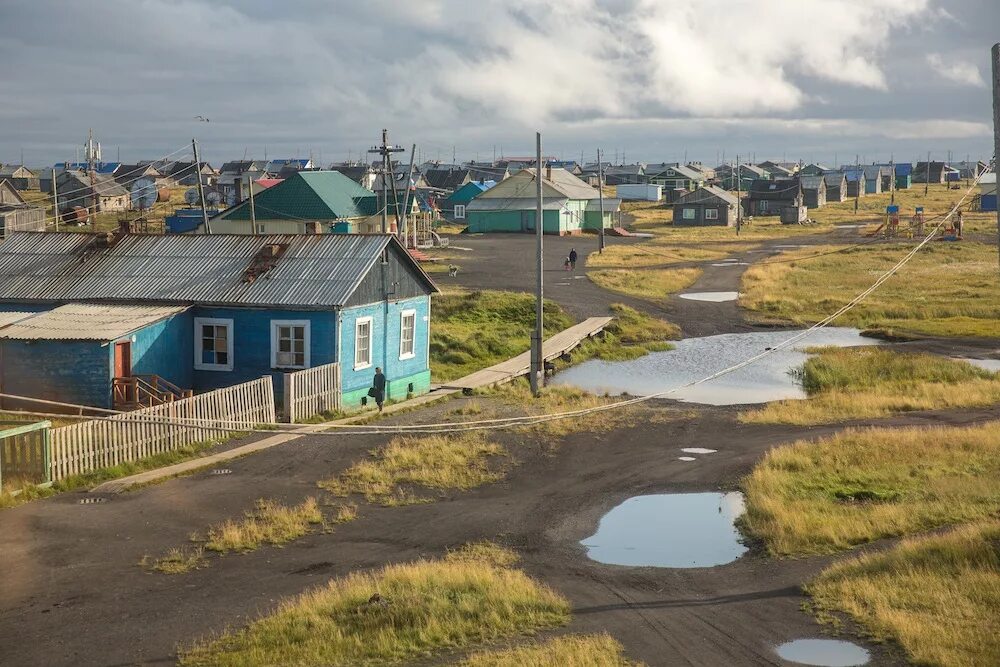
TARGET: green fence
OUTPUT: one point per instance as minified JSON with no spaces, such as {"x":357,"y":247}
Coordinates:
{"x":25,"y":455}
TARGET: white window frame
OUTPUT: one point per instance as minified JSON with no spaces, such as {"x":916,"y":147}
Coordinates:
{"x":460,"y":211}
{"x":711,"y":213}
{"x":413,"y":341}
{"x":275,"y":324}
{"x":200,"y":365}
{"x":689,"y":213}
{"x":371,"y":341}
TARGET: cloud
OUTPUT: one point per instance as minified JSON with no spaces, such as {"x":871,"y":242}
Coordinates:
{"x":956,"y":70}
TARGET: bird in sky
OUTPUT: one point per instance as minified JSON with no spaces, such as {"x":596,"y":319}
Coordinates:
{"x":202,"y":119}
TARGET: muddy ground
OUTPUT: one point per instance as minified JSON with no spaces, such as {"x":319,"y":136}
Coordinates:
{"x":72,"y":591}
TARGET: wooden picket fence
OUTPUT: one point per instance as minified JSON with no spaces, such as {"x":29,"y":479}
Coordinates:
{"x":24,"y":451}
{"x":310,"y":392}
{"x":131,"y":436}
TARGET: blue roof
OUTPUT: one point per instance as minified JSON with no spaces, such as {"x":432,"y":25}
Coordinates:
{"x":102,"y":167}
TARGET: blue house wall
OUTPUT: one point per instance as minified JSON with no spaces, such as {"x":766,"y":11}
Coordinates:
{"x":164,"y":348}
{"x":68,"y":371}
{"x":400,"y":374}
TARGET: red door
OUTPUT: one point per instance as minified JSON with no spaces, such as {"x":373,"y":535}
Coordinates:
{"x":123,"y":360}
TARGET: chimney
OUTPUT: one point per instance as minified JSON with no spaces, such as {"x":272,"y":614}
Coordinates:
{"x":548,"y":172}
{"x":314,"y":227}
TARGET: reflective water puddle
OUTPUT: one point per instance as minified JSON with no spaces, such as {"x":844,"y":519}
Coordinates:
{"x":824,"y":653}
{"x":678,"y":530}
{"x":732,"y":264}
{"x":715,"y":297}
{"x":769,"y":379}
{"x":698,"y":450}
{"x":686,"y":458}
{"x":986,"y":364}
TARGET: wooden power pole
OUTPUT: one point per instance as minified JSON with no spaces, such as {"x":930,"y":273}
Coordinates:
{"x":600,"y":188}
{"x":537,"y":378}
{"x":201,"y":188}
{"x":996,"y":136}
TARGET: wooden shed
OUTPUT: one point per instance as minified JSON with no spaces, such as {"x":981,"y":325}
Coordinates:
{"x":813,"y":191}
{"x":707,"y":205}
{"x":770,"y":197}
{"x":836,"y":186}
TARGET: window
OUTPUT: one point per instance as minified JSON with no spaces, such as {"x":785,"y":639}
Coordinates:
{"x":258,"y":228}
{"x":763,"y":204}
{"x":688,"y":213}
{"x":213,"y":344}
{"x":711,"y":214}
{"x":459,"y":211}
{"x":362,"y":343}
{"x":289,"y":344}
{"x":407,"y":333}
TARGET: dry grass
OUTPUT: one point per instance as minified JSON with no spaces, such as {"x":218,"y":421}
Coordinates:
{"x":936,"y":596}
{"x":868,"y":383}
{"x":658,"y":253}
{"x":442,"y":463}
{"x":569,"y":651}
{"x":268,"y":522}
{"x":863,"y":485}
{"x":177,"y":561}
{"x":651,"y":284}
{"x":948,"y":289}
{"x":483,"y":551}
{"x":420,"y":608}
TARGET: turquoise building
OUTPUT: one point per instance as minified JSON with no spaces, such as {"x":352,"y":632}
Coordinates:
{"x":83,"y":316}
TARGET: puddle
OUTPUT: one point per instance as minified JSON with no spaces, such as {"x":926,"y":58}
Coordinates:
{"x":769,"y":379}
{"x":715,"y":297}
{"x":686,"y":458}
{"x":824,"y":653}
{"x":732,"y":264}
{"x":698,"y":450}
{"x":986,"y":364}
{"x":670,"y":530}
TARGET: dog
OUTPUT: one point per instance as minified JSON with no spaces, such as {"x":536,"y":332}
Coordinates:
{"x":452,"y":271}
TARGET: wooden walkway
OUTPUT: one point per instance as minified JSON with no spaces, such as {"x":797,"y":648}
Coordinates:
{"x":506,"y":371}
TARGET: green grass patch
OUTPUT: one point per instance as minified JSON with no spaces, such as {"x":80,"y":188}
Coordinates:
{"x":868,"y":383}
{"x":569,"y":651}
{"x":650,"y":284}
{"x":862,"y":485}
{"x":269,"y":522}
{"x":439,"y":462}
{"x":177,"y":561}
{"x":947,"y":289}
{"x":936,"y":596}
{"x":474,"y":330}
{"x":631,"y":335}
{"x":391,"y":616}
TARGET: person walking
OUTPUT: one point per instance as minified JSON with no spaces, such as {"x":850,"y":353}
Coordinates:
{"x":572,"y":258}
{"x":378,"y":388}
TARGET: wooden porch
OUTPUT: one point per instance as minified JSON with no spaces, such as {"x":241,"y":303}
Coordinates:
{"x":144,"y":391}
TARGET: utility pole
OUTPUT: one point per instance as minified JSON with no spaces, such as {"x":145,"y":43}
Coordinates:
{"x":253,"y":212}
{"x":537,"y":378}
{"x":860,"y":181}
{"x":996,"y":135}
{"x":892,"y":179}
{"x":739,"y":197}
{"x":385,"y":150}
{"x":91,"y":166}
{"x":927,"y":174}
{"x":55,"y":199}
{"x":201,"y":189}
{"x":405,"y":229}
{"x":600,"y":189}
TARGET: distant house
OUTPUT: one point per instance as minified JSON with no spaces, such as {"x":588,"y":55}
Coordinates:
{"x":970,"y":170}
{"x":904,"y":176}
{"x":706,"y":172}
{"x":16,"y":215}
{"x":873,"y":178}
{"x":183,"y":173}
{"x":447,"y":180}
{"x":707,"y":205}
{"x":814,"y":169}
{"x":362,"y":174}
{"x":128,"y":173}
{"x":768,"y":197}
{"x":308,"y":202}
{"x":813,"y":191}
{"x":453,"y":207}
{"x":678,"y":177}
{"x":74,"y":189}
{"x":19,"y":177}
{"x":726,"y":175}
{"x":933,"y":172}
{"x":286,"y":167}
{"x":205,"y":312}
{"x":235,"y":176}
{"x":625,"y":173}
{"x":855,"y":182}
{"x":570,"y":205}
{"x":988,"y":192}
{"x":836,"y":186}
{"x":779,"y":169}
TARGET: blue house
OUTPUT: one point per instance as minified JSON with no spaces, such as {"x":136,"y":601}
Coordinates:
{"x":453,"y":207}
{"x":82,"y":315}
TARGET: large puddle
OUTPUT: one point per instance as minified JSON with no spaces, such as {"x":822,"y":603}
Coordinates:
{"x":715,"y":297}
{"x":768,"y":379}
{"x":824,"y":653}
{"x":670,"y":530}
{"x":992,"y":365}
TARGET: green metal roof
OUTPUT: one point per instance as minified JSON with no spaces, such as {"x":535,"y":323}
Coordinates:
{"x":309,"y":195}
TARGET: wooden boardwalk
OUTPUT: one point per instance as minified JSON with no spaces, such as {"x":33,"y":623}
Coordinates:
{"x":505,"y":371}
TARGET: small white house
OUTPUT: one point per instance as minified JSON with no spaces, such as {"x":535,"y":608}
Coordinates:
{"x":639,"y":192}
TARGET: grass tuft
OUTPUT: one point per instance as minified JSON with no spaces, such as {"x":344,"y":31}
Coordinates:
{"x":391,"y":616}
{"x":484,"y":552}
{"x":862,"y":485}
{"x":936,"y":596}
{"x":441,"y":462}
{"x":268,"y":522}
{"x":569,"y":651}
{"x":177,"y":561}
{"x":653,"y":285}
{"x":868,"y":383}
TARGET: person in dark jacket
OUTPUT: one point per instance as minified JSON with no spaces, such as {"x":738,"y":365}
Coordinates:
{"x":572,"y":258}
{"x":378,"y":386}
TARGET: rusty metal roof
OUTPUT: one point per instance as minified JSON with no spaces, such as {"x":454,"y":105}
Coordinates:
{"x":316,"y":271}
{"x":86,"y":321}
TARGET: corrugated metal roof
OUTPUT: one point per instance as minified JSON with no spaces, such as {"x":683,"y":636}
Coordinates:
{"x":87,"y":321}
{"x":309,"y":195}
{"x":316,"y":271}
{"x":9,"y":318}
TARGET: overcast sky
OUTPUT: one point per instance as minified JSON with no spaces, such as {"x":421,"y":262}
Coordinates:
{"x":645,"y":79}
